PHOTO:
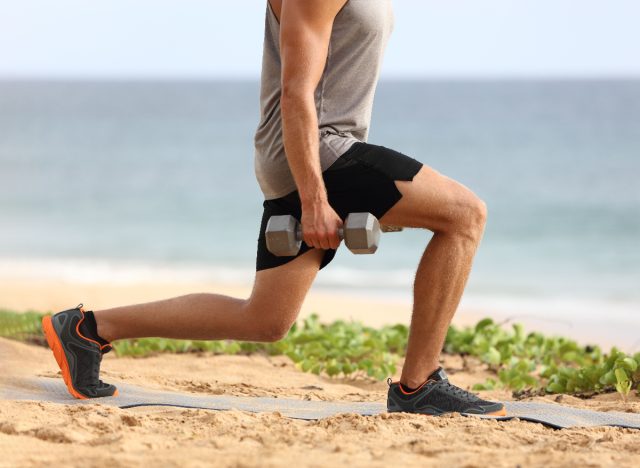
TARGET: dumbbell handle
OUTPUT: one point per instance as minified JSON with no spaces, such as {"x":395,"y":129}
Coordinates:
{"x":300,"y":238}
{"x":383,"y":228}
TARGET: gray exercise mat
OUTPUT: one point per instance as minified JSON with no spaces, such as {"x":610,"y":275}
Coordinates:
{"x":549,"y":414}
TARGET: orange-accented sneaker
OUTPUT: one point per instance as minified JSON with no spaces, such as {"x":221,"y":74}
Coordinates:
{"x":437,"y":396}
{"x":78,"y":357}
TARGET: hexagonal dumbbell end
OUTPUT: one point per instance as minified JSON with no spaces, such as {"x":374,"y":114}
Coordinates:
{"x":283,"y":236}
{"x":361,"y":233}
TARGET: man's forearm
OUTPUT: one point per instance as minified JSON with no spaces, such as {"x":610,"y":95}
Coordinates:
{"x":301,"y":143}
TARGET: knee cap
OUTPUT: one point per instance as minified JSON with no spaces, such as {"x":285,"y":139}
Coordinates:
{"x":274,"y":332}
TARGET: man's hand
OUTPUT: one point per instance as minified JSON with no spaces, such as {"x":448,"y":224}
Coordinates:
{"x":320,"y":224}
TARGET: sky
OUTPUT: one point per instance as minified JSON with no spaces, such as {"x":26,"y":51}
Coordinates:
{"x":223,"y":39}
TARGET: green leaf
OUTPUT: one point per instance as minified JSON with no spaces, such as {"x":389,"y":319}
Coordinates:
{"x":555,"y":387}
{"x":629,"y":364}
{"x":609,"y":378}
{"x":482,"y":324}
{"x":492,"y":356}
{"x":621,"y":376}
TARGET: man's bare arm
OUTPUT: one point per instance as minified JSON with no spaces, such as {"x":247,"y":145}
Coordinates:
{"x":305,"y":31}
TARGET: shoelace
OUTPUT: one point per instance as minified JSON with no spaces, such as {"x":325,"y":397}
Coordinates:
{"x":95,"y":373}
{"x":457,"y":391}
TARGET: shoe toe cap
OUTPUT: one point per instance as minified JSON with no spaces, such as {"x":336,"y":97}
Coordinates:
{"x":488,"y":408}
{"x":494,"y":409}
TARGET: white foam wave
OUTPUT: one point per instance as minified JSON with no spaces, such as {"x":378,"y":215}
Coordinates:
{"x":86,"y":270}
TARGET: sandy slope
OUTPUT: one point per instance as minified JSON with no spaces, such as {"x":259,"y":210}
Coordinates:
{"x":37,"y":434}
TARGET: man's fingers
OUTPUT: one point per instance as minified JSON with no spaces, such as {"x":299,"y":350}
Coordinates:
{"x":336,"y":236}
{"x":309,"y":239}
{"x":314,"y":240}
{"x":333,"y":239}
{"x":323,"y":236}
{"x":323,"y":240}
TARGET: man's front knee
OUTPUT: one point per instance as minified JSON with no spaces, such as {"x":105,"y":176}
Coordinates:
{"x":471,"y":219}
{"x":477,"y":218}
{"x":480,"y":213}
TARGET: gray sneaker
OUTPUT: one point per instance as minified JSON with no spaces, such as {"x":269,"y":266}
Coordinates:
{"x":438,"y":396}
{"x":78,"y":357}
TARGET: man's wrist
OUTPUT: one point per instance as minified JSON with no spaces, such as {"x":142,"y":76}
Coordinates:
{"x":314,"y":198}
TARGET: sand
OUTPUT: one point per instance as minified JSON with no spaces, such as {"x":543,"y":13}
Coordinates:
{"x":39,"y":434}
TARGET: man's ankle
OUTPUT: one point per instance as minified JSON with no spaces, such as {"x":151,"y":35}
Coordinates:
{"x":413,"y":382}
{"x":103,"y":328}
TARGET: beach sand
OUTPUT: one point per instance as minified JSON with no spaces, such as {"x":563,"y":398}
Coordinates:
{"x":46,"y":434}
{"x":39,"y":434}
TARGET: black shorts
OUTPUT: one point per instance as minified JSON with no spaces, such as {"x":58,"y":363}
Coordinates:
{"x":361,"y":180}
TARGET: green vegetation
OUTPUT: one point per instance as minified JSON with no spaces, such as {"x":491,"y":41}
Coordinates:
{"x":522,"y":362}
{"x":539,"y":363}
{"x":21,"y":326}
{"x":338,"y":348}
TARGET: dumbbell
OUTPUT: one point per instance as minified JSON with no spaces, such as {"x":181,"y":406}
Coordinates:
{"x":361,"y":234}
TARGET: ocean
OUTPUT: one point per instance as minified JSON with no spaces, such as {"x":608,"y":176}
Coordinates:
{"x":137,"y":180}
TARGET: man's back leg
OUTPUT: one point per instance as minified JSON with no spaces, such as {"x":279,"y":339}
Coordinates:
{"x":267,"y":315}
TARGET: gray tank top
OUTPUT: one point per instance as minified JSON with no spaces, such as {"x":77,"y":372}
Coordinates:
{"x":344,"y":96}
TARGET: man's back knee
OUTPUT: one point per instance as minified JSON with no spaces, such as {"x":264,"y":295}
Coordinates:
{"x":270,"y":332}
{"x":270,"y":323}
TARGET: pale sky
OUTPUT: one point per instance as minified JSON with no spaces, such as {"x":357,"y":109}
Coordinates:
{"x":215,"y":38}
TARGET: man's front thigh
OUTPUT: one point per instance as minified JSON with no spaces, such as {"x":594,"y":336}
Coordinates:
{"x":431,"y":200}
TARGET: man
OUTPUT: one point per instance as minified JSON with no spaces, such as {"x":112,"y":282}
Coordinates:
{"x":320,"y":68}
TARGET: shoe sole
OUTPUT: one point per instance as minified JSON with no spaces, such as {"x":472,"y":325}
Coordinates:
{"x":500,"y":412}
{"x":53,"y":340}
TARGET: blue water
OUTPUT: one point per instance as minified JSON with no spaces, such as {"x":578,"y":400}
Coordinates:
{"x":161,"y":174}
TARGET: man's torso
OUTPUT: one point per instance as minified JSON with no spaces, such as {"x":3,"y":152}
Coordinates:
{"x":344,"y":96}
